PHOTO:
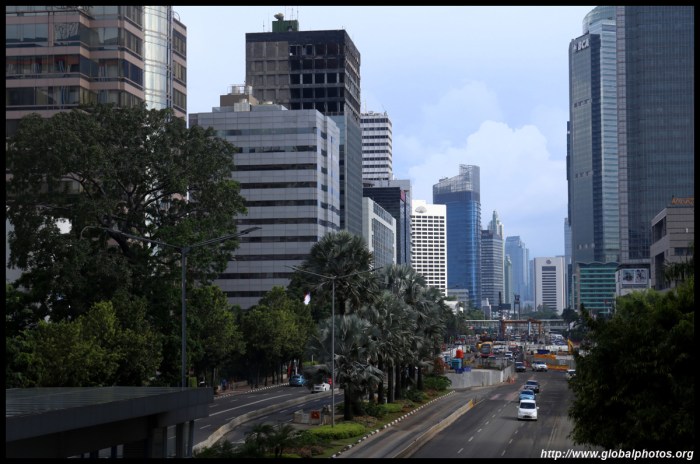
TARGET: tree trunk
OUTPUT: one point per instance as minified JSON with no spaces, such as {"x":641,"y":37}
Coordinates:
{"x":347,"y":406}
{"x":390,"y":384}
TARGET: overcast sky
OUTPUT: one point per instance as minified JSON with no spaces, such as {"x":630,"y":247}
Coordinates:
{"x":476,"y":85}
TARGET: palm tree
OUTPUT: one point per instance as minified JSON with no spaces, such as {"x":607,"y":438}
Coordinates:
{"x":353,"y":350}
{"x":344,"y":258}
{"x":386,"y":317}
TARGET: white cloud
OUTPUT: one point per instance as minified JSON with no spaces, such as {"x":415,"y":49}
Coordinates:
{"x":518,"y":177}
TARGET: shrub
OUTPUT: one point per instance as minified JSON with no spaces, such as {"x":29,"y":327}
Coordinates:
{"x":436,"y":382}
{"x":416,"y":396}
{"x":340,"y":431}
{"x":373,"y":409}
{"x":392,"y":407}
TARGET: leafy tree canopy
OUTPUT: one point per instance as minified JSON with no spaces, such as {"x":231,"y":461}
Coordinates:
{"x":635,"y":387}
{"x":132,"y":170}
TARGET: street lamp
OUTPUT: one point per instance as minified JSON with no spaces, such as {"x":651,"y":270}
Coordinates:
{"x":184,"y":249}
{"x":333,"y":279}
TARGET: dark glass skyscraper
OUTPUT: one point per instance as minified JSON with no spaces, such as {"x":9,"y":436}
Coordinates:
{"x":395,"y":197}
{"x":462,"y":197}
{"x":656,"y":103}
{"x":592,"y":158}
{"x":519,"y":258}
{"x":315,"y":70}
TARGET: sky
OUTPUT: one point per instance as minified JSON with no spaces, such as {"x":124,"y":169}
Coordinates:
{"x":475,"y":85}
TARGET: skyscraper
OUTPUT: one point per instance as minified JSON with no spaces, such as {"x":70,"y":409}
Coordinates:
{"x":492,"y":283}
{"x":549,"y":283}
{"x":656,"y":107}
{"x":315,"y":70}
{"x":379,"y":231}
{"x":593,"y":157}
{"x":377,"y":162}
{"x":519,"y":257}
{"x":288,"y":170}
{"x":59,"y":57}
{"x":630,"y":137}
{"x":395,"y":197}
{"x":461,"y":195}
{"x":429,"y":243}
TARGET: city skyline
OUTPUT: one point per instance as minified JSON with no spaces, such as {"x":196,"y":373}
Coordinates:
{"x":491,"y":90}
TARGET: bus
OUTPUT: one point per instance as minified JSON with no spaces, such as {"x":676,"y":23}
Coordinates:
{"x":486,"y":349}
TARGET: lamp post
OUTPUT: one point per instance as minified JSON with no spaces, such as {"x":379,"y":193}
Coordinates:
{"x":333,"y":279}
{"x":184,"y":249}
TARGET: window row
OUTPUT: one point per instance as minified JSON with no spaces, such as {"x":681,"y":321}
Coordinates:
{"x":61,"y":65}
{"x":72,"y":34}
{"x":50,"y":97}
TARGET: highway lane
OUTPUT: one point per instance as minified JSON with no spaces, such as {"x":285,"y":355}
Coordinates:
{"x":491,"y":428}
{"x":275,"y":405}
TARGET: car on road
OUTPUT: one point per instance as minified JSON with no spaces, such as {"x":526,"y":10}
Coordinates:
{"x":534,"y":384}
{"x":297,"y":380}
{"x":527,"y":409}
{"x":539,"y":366}
{"x":520,"y":366}
{"x":570,"y":374}
{"x":321,"y":387}
{"x":527,"y":394}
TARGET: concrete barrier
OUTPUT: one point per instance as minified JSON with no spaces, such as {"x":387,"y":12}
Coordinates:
{"x":479,"y":377}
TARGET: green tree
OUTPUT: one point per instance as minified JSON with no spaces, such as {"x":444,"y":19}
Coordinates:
{"x":343,"y":256}
{"x":79,"y":353}
{"x":635,"y":387}
{"x":132,"y":170}
{"x":213,"y":336}
{"x":135,"y":170}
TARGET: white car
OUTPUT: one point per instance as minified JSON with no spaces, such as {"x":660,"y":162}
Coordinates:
{"x":321,"y":387}
{"x":527,"y":409}
{"x":539,"y":367}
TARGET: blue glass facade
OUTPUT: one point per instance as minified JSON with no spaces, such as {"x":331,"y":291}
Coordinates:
{"x":462,"y":198}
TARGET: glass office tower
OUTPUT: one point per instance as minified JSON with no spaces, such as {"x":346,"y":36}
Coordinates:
{"x":461,"y":195}
{"x":656,"y":103}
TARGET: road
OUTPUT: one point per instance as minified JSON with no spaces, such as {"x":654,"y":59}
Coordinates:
{"x":491,"y":429}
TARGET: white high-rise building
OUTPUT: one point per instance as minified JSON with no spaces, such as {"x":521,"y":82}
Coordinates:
{"x":550,"y":283}
{"x":288,"y":169}
{"x":429,"y":243}
{"x":376,"y":148}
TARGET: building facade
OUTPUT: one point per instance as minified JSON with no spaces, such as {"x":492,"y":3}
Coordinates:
{"x":596,"y":288}
{"x":673,"y":238}
{"x":379,"y":231}
{"x":519,"y":256}
{"x":461,"y":195}
{"x":377,"y":164}
{"x":549,"y":283}
{"x":288,"y":169}
{"x":592,"y":161}
{"x":60,"y":57}
{"x":315,"y":70}
{"x":492,"y":258}
{"x":429,"y":243}
{"x":395,"y":197}
{"x":656,"y":107}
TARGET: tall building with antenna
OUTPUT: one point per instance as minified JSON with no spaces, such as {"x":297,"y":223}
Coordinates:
{"x":315,"y":70}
